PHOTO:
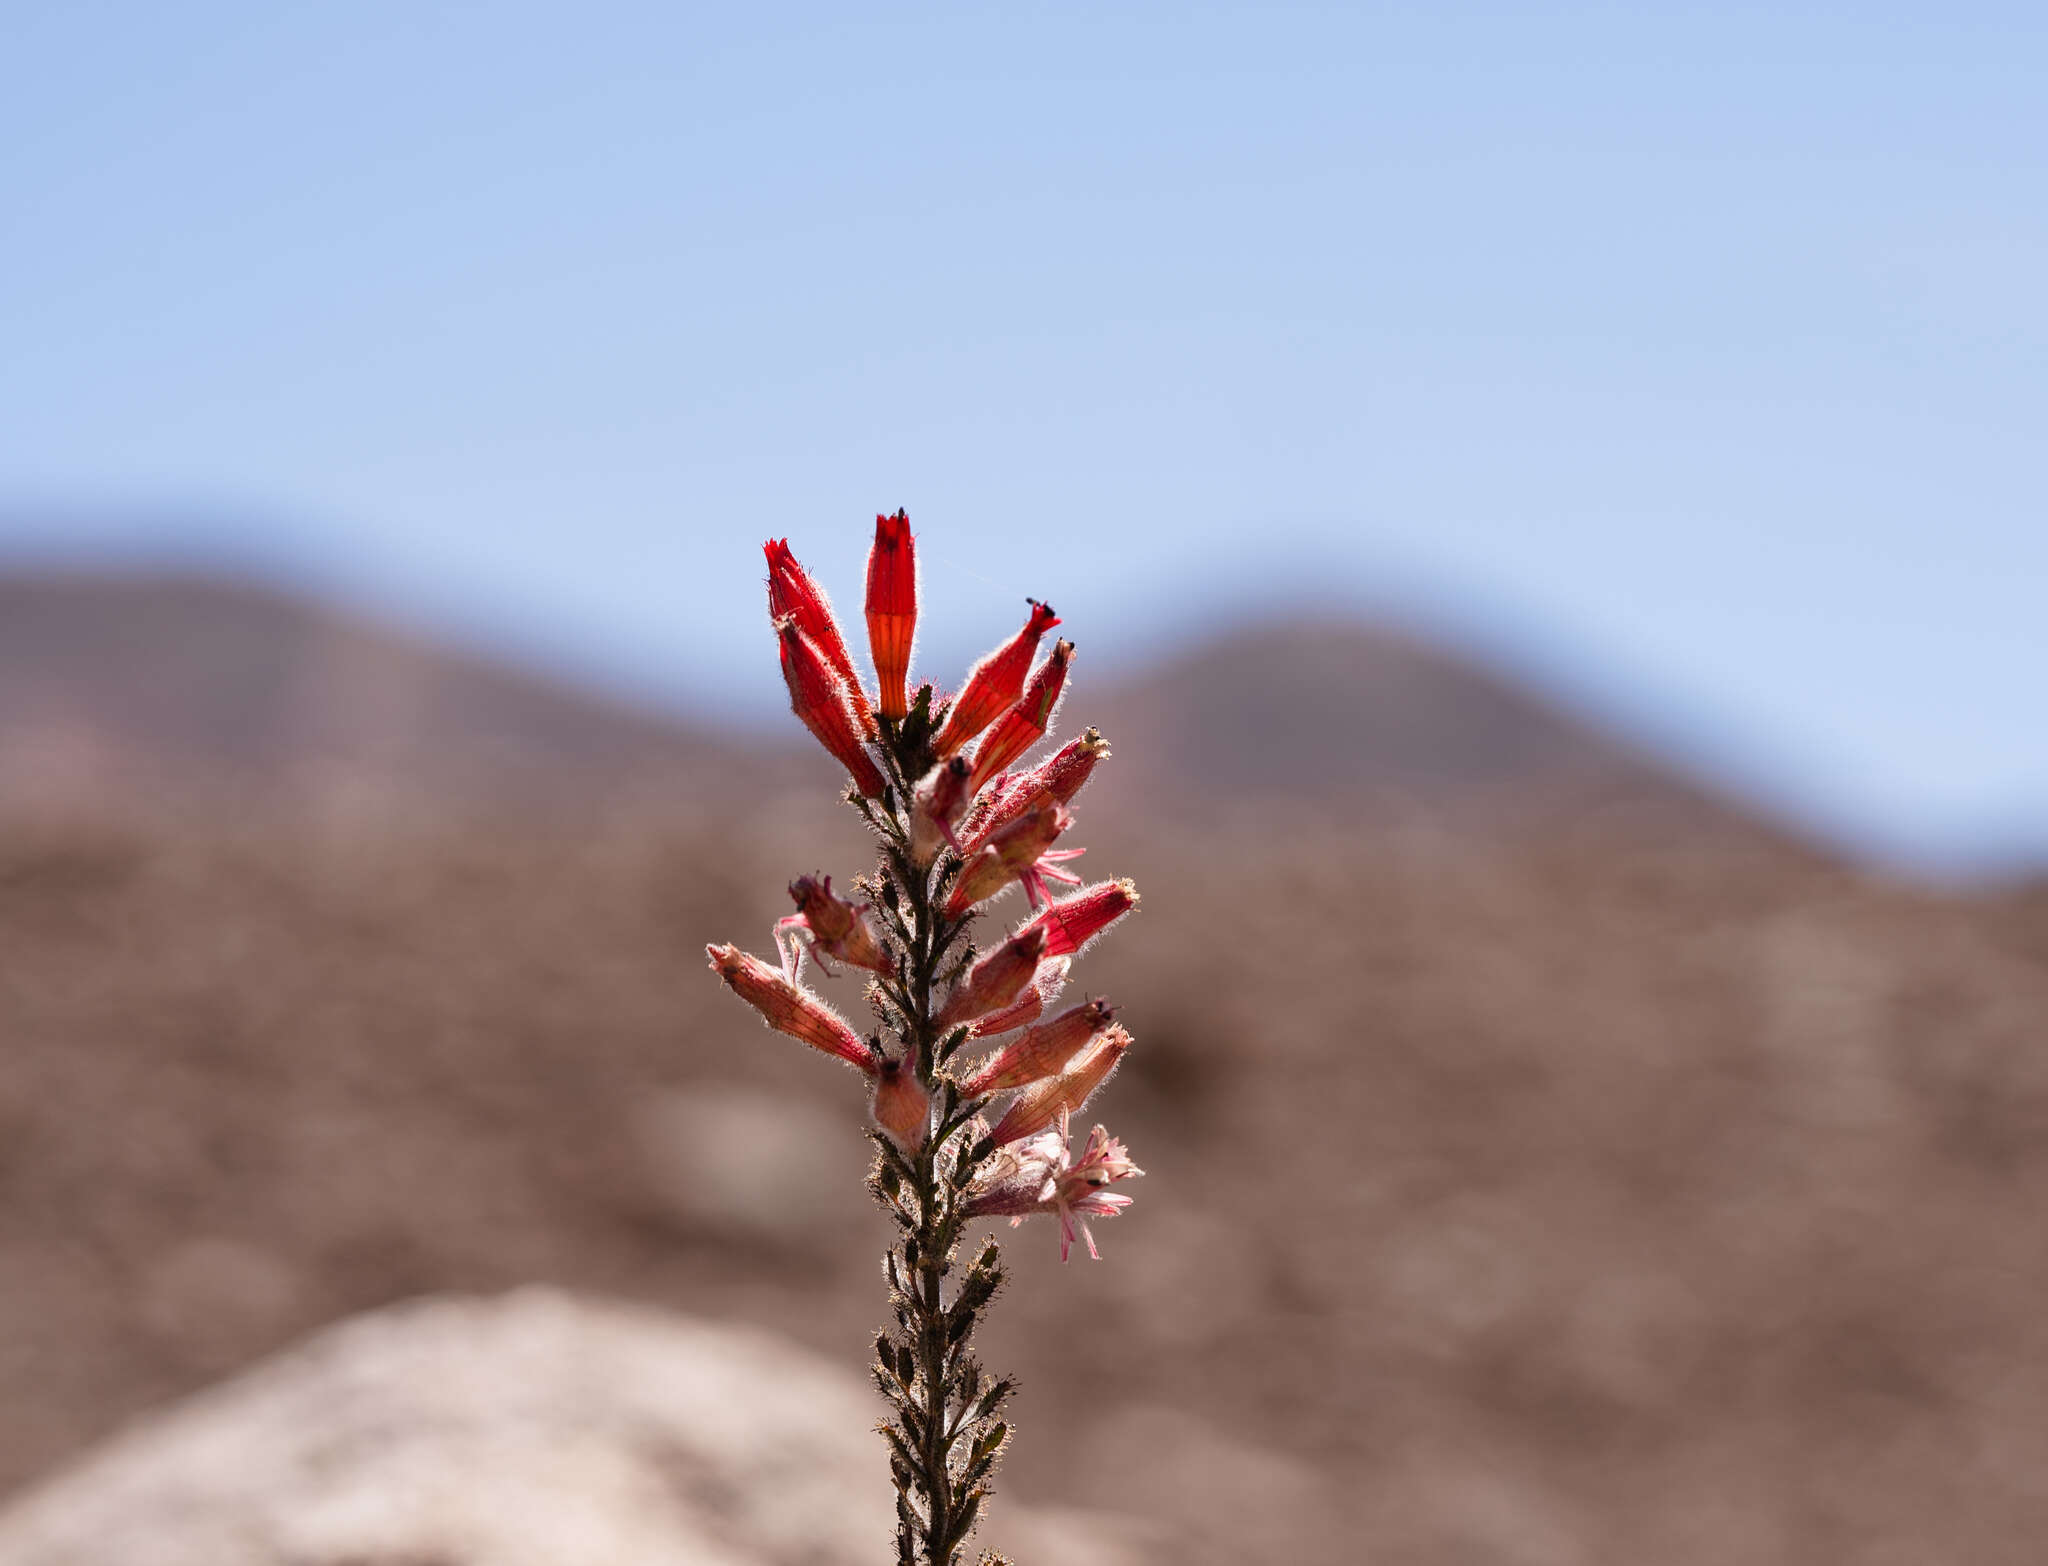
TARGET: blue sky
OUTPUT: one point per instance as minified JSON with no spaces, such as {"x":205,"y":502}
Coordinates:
{"x":1694,"y":359}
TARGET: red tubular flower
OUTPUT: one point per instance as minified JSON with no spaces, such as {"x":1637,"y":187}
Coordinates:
{"x":995,"y":980}
{"x":1024,"y":725}
{"x":1042,"y":1103}
{"x":818,"y":697}
{"x":1063,"y":772}
{"x":789,"y":1008}
{"x":892,"y":609}
{"x":1046,"y":985}
{"x":832,"y":926}
{"x":900,"y":1104}
{"x":1071,"y":924}
{"x":1060,"y":775}
{"x":1020,"y":852}
{"x":995,"y":683}
{"x":1039,"y":1052}
{"x":793,"y":593}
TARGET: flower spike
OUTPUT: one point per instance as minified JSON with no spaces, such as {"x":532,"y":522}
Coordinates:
{"x":1025,"y":724}
{"x":958,"y":814}
{"x":819,"y":699}
{"x":789,"y":1008}
{"x":892,"y":609}
{"x":995,"y":683}
{"x":792,"y":592}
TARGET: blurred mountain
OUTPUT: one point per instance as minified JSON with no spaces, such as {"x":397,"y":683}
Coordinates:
{"x":1546,"y":1163}
{"x":141,"y":686}
{"x":113,"y":686}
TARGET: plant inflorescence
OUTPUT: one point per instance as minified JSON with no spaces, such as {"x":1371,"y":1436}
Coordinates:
{"x":972,"y":1077}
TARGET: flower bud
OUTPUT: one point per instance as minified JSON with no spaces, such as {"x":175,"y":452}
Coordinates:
{"x":1024,"y":725}
{"x":900,"y":1104}
{"x":995,"y":980}
{"x":793,"y":593}
{"x":1039,"y":1052}
{"x":937,"y":802}
{"x":892,"y":609}
{"x":994,"y":684}
{"x":837,"y":927}
{"x":1071,"y":924}
{"x":789,"y":1008}
{"x":1046,"y":985}
{"x":1042,"y":1103}
{"x":818,"y":698}
{"x":1062,"y":773}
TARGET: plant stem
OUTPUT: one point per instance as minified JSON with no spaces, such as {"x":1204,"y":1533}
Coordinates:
{"x":946,"y":1436}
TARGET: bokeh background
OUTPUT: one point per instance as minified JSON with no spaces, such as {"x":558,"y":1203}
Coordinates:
{"x":1550,"y":503}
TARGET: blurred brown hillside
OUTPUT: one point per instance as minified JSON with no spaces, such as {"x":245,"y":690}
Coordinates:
{"x":1547,"y":1163}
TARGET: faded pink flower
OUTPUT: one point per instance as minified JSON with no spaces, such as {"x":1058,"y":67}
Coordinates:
{"x":1041,"y":1175}
{"x":1046,"y":985}
{"x":789,"y":1008}
{"x":1039,"y":1052}
{"x":1044,"y":1102}
{"x":900,"y":1104}
{"x":829,"y":926}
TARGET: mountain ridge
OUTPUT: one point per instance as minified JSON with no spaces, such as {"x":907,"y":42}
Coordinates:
{"x":119,"y":685}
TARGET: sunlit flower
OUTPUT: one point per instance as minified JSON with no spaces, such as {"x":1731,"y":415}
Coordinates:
{"x":794,"y":594}
{"x":994,"y":684}
{"x":789,"y":1008}
{"x":892,"y":610}
{"x":819,"y":698}
{"x":1073,"y":922}
{"x":1025,"y":724}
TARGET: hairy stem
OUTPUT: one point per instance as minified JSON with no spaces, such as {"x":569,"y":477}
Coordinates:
{"x":945,"y":1436}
